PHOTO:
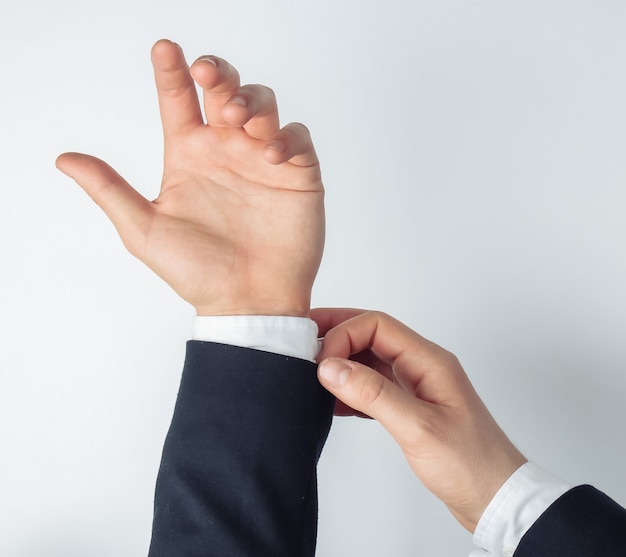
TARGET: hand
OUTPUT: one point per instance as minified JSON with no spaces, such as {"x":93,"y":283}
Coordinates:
{"x":238,"y":226}
{"x":421,"y":395}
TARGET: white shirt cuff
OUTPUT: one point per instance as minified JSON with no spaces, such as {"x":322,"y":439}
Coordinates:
{"x":522,"y":499}
{"x":289,"y":336}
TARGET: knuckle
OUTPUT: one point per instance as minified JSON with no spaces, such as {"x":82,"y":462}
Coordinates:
{"x":268,"y":91}
{"x":453,"y":365}
{"x":302,"y":127}
{"x":450,"y":359}
{"x":262,"y":91}
{"x":298,"y":128}
{"x":378,"y":315}
{"x":372,"y":389}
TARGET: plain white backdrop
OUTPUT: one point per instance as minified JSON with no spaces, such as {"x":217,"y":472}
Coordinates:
{"x":474,"y":158}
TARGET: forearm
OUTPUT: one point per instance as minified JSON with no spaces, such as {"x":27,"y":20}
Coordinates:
{"x":238,"y":470}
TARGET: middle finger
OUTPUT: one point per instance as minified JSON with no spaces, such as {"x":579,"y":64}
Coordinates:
{"x":219,"y":82}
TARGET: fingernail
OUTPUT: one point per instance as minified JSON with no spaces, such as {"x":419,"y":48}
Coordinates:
{"x":335,"y":372}
{"x":277,"y":145}
{"x":207,"y":58}
{"x":239,"y":100}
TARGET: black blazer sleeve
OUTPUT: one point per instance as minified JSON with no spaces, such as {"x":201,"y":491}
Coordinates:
{"x":238,"y":472}
{"x":584,"y":522}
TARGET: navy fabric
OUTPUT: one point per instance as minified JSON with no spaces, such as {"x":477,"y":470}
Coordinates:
{"x":583,"y":522}
{"x":238,"y":472}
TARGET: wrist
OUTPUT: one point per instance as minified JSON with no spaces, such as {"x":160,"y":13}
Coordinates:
{"x":299,"y":307}
{"x":488,"y":484}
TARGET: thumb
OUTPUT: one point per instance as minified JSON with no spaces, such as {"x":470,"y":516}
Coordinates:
{"x":128,"y":210}
{"x":369,"y":392}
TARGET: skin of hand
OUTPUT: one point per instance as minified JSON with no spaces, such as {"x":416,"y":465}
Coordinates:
{"x":238,"y":226}
{"x":419,"y":392}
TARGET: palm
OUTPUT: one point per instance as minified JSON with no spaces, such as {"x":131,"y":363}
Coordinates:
{"x":229,"y":231}
{"x":229,"y":226}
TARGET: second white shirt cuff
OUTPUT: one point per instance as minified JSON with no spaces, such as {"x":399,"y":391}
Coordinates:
{"x":522,"y":499}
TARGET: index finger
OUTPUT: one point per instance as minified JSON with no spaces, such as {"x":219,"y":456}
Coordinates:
{"x":387,"y":338}
{"x":176,"y":90}
{"x":328,"y":318}
{"x":413,"y":358}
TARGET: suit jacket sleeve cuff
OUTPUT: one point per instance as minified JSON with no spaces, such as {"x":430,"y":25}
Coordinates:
{"x":583,"y":522}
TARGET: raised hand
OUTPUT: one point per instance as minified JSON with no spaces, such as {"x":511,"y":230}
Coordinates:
{"x":421,"y":395}
{"x":238,"y":226}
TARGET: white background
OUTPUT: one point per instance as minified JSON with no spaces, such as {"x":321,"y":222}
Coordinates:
{"x":474,"y":158}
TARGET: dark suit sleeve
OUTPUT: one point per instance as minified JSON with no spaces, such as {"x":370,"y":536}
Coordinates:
{"x":583,"y":522}
{"x":238,"y":472}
